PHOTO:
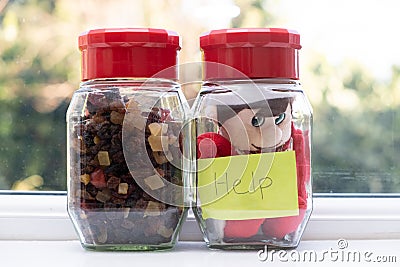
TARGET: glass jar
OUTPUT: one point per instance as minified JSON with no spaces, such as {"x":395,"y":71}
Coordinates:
{"x":252,"y":137}
{"x":125,"y":182}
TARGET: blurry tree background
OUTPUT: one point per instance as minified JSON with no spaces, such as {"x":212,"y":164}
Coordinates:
{"x":356,"y":144}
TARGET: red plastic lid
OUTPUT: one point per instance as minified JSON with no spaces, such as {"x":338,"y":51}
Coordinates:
{"x":256,"y":52}
{"x":128,"y":52}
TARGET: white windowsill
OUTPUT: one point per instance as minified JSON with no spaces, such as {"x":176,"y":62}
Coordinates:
{"x":36,"y":231}
{"x":44,"y":217}
{"x":194,"y":254}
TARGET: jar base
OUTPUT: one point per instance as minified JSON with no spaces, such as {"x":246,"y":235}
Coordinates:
{"x":259,"y":246}
{"x":127,"y":247}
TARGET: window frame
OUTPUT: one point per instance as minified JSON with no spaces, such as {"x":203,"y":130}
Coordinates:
{"x":43,"y":216}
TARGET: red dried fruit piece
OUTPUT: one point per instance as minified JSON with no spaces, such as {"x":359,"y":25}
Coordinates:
{"x":98,"y":100}
{"x":242,"y":228}
{"x":213,"y":145}
{"x":98,"y":179}
{"x":165,"y":115}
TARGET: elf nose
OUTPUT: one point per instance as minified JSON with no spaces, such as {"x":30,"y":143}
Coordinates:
{"x":271,"y":135}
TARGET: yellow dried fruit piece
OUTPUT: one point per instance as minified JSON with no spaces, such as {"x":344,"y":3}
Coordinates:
{"x":155,"y":128}
{"x":132,"y":105}
{"x":158,"y":128}
{"x":103,"y":158}
{"x":152,"y":209}
{"x":96,"y":140}
{"x":123,"y":188}
{"x":154,"y":182}
{"x":103,"y":196}
{"x":116,"y":117}
{"x":165,"y":232}
{"x":85,"y":178}
{"x":158,"y":143}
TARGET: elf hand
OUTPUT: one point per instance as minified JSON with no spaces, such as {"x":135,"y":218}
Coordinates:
{"x":213,"y":145}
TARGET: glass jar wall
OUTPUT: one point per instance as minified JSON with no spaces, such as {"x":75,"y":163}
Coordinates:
{"x":252,"y":137}
{"x":125,"y":181}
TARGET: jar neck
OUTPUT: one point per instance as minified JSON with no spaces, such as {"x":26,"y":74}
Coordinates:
{"x":128,"y":81}
{"x":283,"y":81}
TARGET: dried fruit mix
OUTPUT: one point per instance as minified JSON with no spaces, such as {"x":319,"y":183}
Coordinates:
{"x":114,"y":209}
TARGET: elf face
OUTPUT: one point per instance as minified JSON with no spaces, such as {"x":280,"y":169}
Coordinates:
{"x":256,"y":131}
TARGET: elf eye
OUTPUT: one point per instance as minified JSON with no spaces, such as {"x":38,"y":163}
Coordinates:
{"x":280,"y":119}
{"x":257,"y":121}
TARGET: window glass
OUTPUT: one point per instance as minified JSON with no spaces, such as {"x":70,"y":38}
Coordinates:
{"x":350,"y":69}
{"x":351,"y":72}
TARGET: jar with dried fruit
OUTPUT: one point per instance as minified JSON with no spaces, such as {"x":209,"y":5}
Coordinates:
{"x":125,"y":140}
{"x":252,"y":136}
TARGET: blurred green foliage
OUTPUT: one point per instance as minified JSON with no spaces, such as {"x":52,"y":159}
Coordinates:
{"x":32,"y":143}
{"x":356,"y":134}
{"x":356,"y":146}
{"x":356,"y":140}
{"x":34,"y":91}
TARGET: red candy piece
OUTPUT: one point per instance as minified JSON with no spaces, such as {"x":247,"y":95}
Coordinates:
{"x":242,"y":228}
{"x":98,"y":179}
{"x":279,"y":227}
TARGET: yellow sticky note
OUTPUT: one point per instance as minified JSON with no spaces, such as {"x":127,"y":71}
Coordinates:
{"x":248,"y":186}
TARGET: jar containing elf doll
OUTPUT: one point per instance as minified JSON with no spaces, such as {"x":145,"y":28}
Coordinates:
{"x":125,"y":182}
{"x":252,"y":140}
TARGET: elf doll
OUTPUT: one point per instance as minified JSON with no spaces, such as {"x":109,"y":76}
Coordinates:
{"x":260,"y":128}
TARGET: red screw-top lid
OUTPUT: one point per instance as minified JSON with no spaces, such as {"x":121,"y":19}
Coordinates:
{"x":256,"y":52}
{"x":128,"y":53}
